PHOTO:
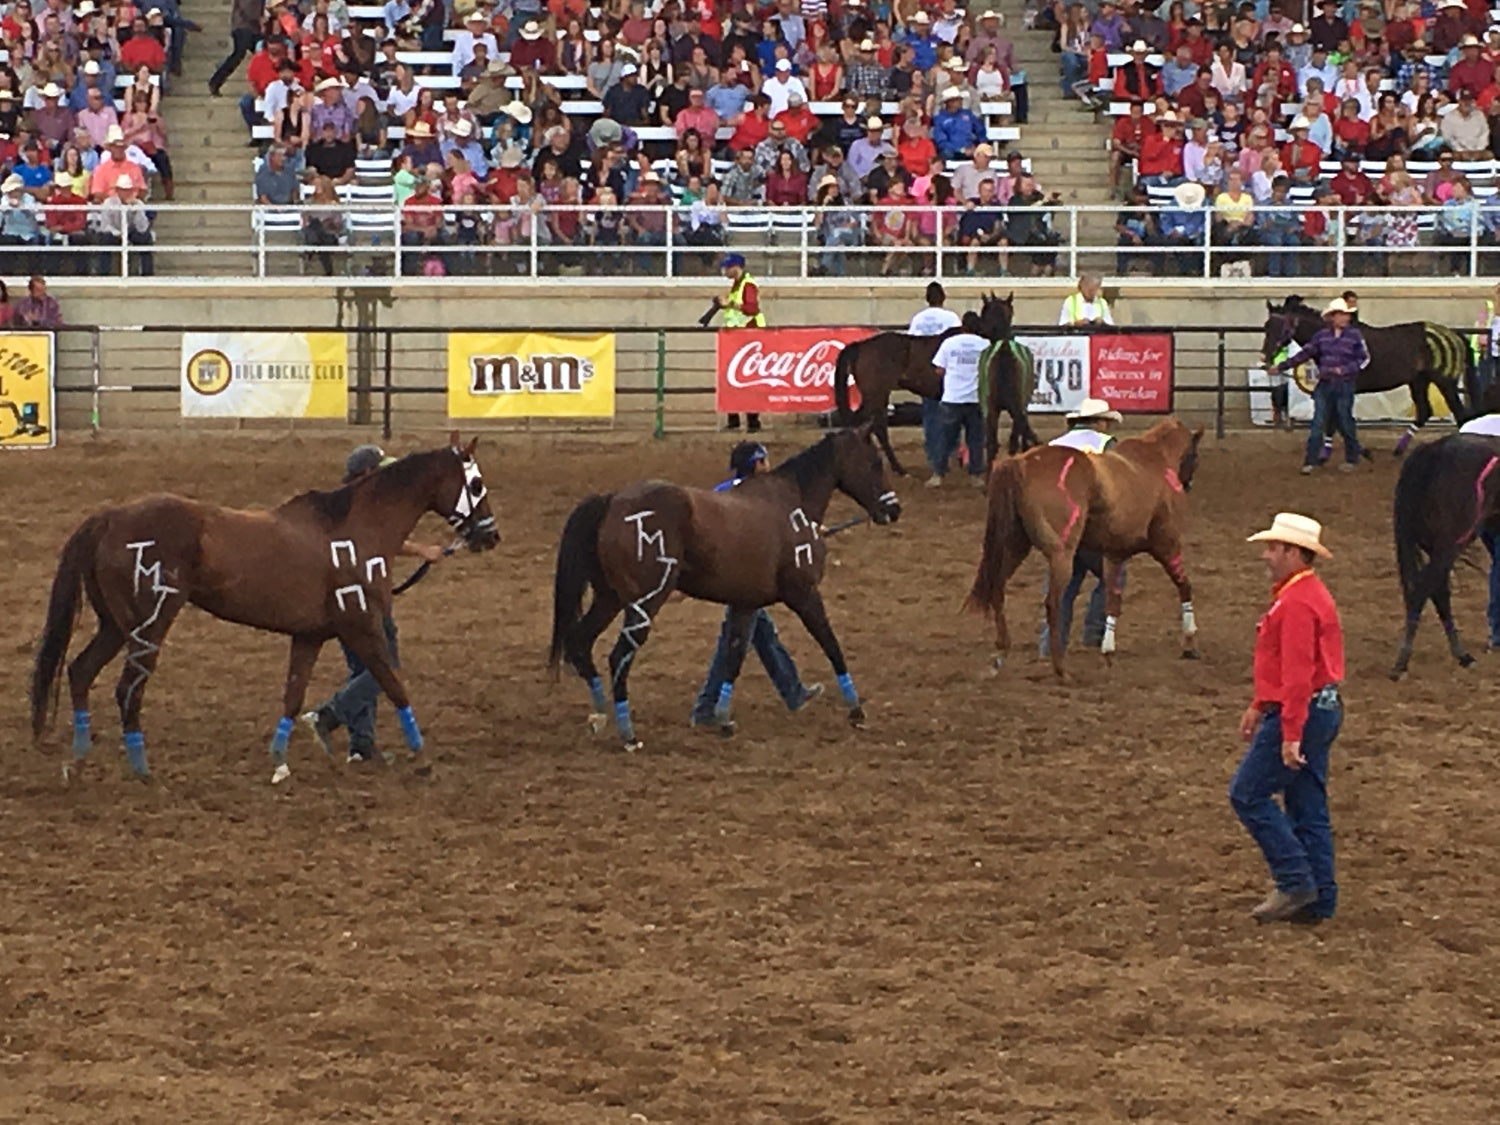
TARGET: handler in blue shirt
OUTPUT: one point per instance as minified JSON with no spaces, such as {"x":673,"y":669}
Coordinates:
{"x":749,"y":458}
{"x":1340,"y":352}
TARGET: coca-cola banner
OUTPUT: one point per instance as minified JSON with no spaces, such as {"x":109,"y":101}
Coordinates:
{"x":781,"y":370}
{"x":1133,"y":373}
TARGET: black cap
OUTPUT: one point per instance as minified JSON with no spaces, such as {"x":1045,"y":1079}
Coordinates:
{"x":365,"y":459}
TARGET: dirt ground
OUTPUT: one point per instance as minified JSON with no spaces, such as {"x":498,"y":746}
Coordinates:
{"x":1005,"y":901}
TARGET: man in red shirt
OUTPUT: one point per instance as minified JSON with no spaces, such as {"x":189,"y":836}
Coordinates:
{"x":1278,"y":71}
{"x":142,"y":49}
{"x":1351,"y":185}
{"x":1125,"y":142}
{"x":1470,"y":73}
{"x":1291,"y":726}
{"x":1161,"y":152}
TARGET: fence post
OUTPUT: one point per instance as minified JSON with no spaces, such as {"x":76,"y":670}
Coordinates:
{"x":668,"y":241}
{"x":257,"y":217}
{"x":1341,"y":228}
{"x":1208,"y":242}
{"x":385,"y":390}
{"x":95,"y":361}
{"x":661,"y":384}
{"x":802,"y":248}
{"x":1219,"y":411}
{"x":534,"y":222}
{"x":125,"y":244}
{"x":1073,"y":241}
{"x":1474,"y":243}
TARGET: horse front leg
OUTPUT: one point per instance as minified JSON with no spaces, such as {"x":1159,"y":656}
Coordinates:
{"x":304,"y":655}
{"x":1421,"y":402}
{"x":1114,"y":602}
{"x":807,"y":604}
{"x":366,"y":638}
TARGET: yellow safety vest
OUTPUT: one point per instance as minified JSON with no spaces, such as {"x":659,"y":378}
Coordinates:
{"x":734,"y":314}
{"x":1073,"y":307}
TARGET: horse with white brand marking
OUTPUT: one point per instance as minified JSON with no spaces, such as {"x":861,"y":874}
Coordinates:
{"x":747,"y":548}
{"x":314,"y":569}
{"x":1125,"y":501}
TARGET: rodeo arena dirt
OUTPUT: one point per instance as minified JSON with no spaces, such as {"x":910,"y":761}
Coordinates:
{"x":1007,"y":899}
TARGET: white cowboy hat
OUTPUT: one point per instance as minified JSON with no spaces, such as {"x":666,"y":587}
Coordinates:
{"x":12,"y":183}
{"x":1091,"y":408}
{"x":531,"y":30}
{"x":50,"y":90}
{"x":463,"y":127}
{"x":114,"y":135}
{"x":1470,"y":41}
{"x":874,"y":123}
{"x":990,"y":14}
{"x":1139,"y":45}
{"x":1337,"y":305}
{"x":327,"y":84}
{"x":125,"y":182}
{"x":629,"y":70}
{"x":1299,"y":531}
{"x":953,"y":93}
{"x":1189,"y":195}
{"x":867,"y":45}
{"x":519,"y":112}
{"x":419,"y":129}
{"x":921,"y":17}
{"x":956,"y":63}
{"x":1299,"y":122}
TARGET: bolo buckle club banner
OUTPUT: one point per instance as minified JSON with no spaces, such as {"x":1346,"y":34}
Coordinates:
{"x":1132,"y":372}
{"x":781,"y":370}
{"x":28,"y":390}
{"x":265,"y":375}
{"x":530,"y":375}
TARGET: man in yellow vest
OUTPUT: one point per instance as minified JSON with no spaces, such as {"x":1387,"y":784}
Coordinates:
{"x":1085,"y":307}
{"x":741,"y":310}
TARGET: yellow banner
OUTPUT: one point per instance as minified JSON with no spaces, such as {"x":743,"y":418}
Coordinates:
{"x":530,"y":375}
{"x":28,"y":391}
{"x":265,"y":375}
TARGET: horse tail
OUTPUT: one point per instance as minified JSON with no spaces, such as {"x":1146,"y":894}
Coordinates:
{"x":577,"y":570}
{"x":1409,"y":506}
{"x":1001,"y":531}
{"x":843,"y":371}
{"x":62,"y":612}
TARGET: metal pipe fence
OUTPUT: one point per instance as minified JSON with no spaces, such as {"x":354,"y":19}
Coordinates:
{"x":532,"y":241}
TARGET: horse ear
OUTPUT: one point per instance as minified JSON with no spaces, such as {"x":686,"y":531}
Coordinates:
{"x":1197,"y":436}
{"x":1012,"y":298}
{"x":865,"y":429}
{"x":472,"y":446}
{"x":1270,"y":308}
{"x":453,"y":439}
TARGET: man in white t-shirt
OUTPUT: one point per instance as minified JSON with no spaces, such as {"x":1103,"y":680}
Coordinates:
{"x":957,"y":361}
{"x":934,"y":320}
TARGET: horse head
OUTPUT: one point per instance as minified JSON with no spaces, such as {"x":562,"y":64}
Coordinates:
{"x":860,"y":473}
{"x":469,"y":513}
{"x":996,"y":316}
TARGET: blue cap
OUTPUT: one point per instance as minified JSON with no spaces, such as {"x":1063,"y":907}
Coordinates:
{"x":746,"y":454}
{"x":731,"y":260}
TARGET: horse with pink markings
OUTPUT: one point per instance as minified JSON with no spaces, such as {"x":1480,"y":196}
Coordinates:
{"x":1129,"y":500}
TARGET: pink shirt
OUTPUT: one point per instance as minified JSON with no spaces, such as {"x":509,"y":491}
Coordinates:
{"x":98,"y":123}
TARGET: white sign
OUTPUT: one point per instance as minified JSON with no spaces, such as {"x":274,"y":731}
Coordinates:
{"x":1062,"y":372}
{"x":1378,"y":406}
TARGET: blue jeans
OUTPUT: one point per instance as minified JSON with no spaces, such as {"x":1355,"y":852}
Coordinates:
{"x":353,"y":705}
{"x":955,"y":420}
{"x":1297,"y":841}
{"x":1278,"y":263}
{"x":1334,"y":397}
{"x":778,"y":663}
{"x":1075,"y":69}
{"x":1491,"y":540}
{"x":1085,"y":563}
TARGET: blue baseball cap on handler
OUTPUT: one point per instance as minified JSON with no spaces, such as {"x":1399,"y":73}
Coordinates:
{"x":731,"y":260}
{"x":743,"y":459}
{"x":365,"y":459}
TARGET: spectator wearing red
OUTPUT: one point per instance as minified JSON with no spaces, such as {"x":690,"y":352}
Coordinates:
{"x":1193,"y":101}
{"x":1351,"y":185}
{"x":1350,"y":133}
{"x":1470,"y":73}
{"x":800,"y":121}
{"x":1138,"y":80}
{"x":1302,"y":159}
{"x":786,"y":184}
{"x":66,"y":212}
{"x":1127,"y":138}
{"x":753,"y":126}
{"x":697,"y":116}
{"x":142,"y":49}
{"x":915,"y":148}
{"x":1275,"y":69}
{"x":1161,"y":152}
{"x":1452,"y":24}
{"x":422,"y":220}
{"x":1200,"y":47}
{"x":533,"y":49}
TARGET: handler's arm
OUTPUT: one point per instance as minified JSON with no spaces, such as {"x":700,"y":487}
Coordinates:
{"x":424,"y":551}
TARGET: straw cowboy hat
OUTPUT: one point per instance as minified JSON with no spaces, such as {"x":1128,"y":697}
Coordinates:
{"x":519,"y":112}
{"x":1299,"y":531}
{"x":1338,"y":305}
{"x":531,"y":30}
{"x":1091,"y":408}
{"x":1189,"y":195}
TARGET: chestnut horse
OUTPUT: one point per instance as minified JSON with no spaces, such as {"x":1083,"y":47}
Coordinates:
{"x":752,"y":546}
{"x":1128,"y":500}
{"x":314,"y":569}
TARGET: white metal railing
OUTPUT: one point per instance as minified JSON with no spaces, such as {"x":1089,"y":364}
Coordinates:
{"x":374,"y":239}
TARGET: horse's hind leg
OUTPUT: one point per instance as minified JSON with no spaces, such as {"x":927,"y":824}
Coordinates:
{"x":639,"y":615}
{"x":83,"y":670}
{"x":304,"y":655}
{"x":142,"y":648}
{"x":578,"y":650}
{"x":1060,"y":573}
{"x":1442,"y":601}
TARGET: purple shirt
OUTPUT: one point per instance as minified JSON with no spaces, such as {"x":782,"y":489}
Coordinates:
{"x":1339,"y":357}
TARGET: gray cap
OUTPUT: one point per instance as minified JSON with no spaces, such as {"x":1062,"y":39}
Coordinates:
{"x":365,"y":459}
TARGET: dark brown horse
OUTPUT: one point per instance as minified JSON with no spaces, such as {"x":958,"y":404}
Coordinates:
{"x":747,"y":548}
{"x":1128,"y":500}
{"x":1448,"y":494}
{"x":314,"y":568}
{"x":891,"y":361}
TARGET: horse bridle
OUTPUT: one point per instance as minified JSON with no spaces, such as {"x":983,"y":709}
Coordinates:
{"x":462,"y":519}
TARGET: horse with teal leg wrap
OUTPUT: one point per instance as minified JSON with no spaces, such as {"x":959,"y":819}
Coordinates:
{"x":313,"y":569}
{"x":750,"y":547}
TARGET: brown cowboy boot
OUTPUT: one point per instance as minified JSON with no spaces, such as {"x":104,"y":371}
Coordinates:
{"x":1280,"y":905}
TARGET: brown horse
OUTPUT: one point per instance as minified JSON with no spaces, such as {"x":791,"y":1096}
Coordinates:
{"x":747,"y":548}
{"x":314,"y":569}
{"x":891,"y":361}
{"x":1128,"y":500}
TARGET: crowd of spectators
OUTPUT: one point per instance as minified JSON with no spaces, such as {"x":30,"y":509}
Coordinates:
{"x":695,"y":103}
{"x":65,"y":145}
{"x":1255,"y":108}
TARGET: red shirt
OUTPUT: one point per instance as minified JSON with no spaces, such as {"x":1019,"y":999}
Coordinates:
{"x":66,"y":211}
{"x":1299,"y":649}
{"x":1132,"y":131}
{"x":143,"y":51}
{"x":1160,"y":156}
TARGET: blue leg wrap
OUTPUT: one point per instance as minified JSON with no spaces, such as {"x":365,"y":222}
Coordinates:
{"x":846,"y":686}
{"x":596,"y":690}
{"x":135,"y":750}
{"x":721,"y":708}
{"x":280,"y":739}
{"x":409,"y":729}
{"x":81,"y":735}
{"x":622,"y":720}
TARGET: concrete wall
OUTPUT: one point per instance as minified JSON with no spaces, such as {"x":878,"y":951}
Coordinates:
{"x":130,"y":356}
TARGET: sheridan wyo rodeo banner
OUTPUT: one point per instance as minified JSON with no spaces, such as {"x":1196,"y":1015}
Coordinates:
{"x":265,"y":375}
{"x":1133,"y":372}
{"x":28,"y":390}
{"x":530,"y":375}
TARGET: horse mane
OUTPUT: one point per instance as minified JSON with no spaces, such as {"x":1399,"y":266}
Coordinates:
{"x":806,"y":467}
{"x":332,"y":506}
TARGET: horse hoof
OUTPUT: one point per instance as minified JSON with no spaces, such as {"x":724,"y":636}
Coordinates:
{"x":1397,"y":675}
{"x":281,"y":773}
{"x":998,"y":663}
{"x":633,"y":745}
{"x":857,"y":718}
{"x":1466,"y":661}
{"x":597,"y":721}
{"x":727,"y":728}
{"x":1190,"y":654}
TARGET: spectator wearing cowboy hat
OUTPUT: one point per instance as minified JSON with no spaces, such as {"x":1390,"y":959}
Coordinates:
{"x":1291,"y":725}
{"x":1182,"y":227}
{"x":476,"y":33}
{"x":747,"y":459}
{"x":1088,"y":432}
{"x":1339,"y":350}
{"x":956,"y":131}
